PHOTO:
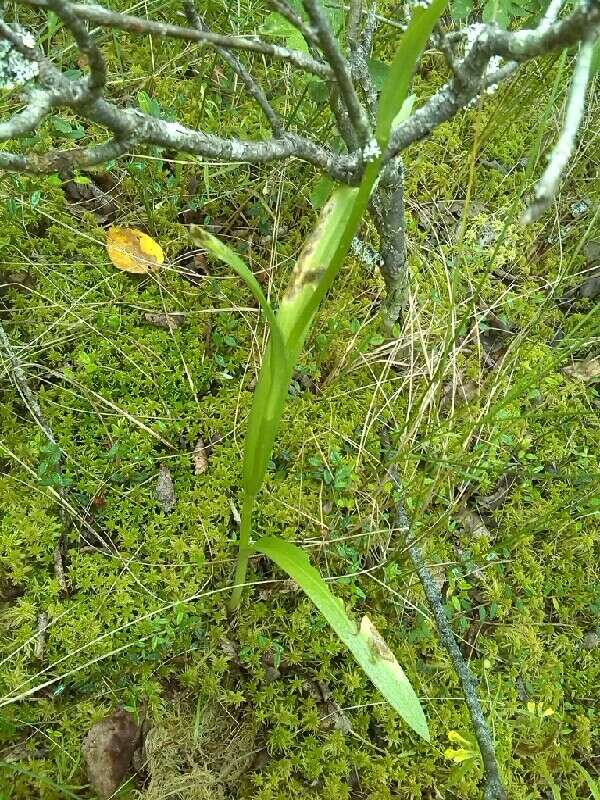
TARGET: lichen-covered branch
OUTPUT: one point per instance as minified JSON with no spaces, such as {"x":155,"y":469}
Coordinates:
{"x":494,"y":789}
{"x":341,"y":69}
{"x":470,"y":77}
{"x":560,"y":156}
{"x":126,"y":22}
{"x":97,"y":79}
{"x":387,"y":212}
{"x":63,"y":160}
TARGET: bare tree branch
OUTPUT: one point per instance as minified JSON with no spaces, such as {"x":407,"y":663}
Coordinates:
{"x":360,"y":43}
{"x":288,"y":13}
{"x":494,"y":789}
{"x":97,"y":79}
{"x":340,"y":68}
{"x":560,"y":156}
{"x":253,"y":88}
{"x":113,"y":19}
{"x":517,"y":46}
{"x":353,"y":24}
{"x":39,"y":103}
{"x":344,"y":126}
{"x":64,"y":160}
{"x":387,"y":212}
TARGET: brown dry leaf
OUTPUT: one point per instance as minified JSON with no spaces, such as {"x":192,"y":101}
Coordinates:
{"x":170,"y":320}
{"x":200,"y":457}
{"x":165,"y":491}
{"x":472,"y":523}
{"x":458,"y":393}
{"x":591,"y":251}
{"x":108,"y":751}
{"x":587,"y":370}
{"x":133,"y":251}
{"x":90,"y":197}
{"x":499,"y":495}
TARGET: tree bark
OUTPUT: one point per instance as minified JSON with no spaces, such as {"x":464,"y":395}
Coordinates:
{"x":387,"y":212}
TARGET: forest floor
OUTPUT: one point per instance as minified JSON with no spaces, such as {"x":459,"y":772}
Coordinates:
{"x":488,"y":397}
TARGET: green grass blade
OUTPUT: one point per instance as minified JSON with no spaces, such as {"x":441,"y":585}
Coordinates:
{"x":274,"y":373}
{"x":220,"y":250}
{"x":365,"y":643}
{"x":593,"y":785}
{"x":395,"y":89}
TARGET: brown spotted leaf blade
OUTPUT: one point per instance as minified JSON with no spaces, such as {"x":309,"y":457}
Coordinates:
{"x":108,"y":751}
{"x":586,"y":371}
{"x":165,"y":491}
{"x":200,"y":457}
{"x":133,"y":251}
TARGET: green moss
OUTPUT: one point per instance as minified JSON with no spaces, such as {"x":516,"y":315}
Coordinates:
{"x":145,"y":623}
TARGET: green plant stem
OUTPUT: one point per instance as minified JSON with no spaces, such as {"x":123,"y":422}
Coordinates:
{"x":244,"y":549}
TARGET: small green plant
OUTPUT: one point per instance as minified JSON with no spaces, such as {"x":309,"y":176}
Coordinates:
{"x":311,"y":278}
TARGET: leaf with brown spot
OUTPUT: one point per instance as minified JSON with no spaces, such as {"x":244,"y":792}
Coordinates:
{"x":108,"y":751}
{"x":200,"y":457}
{"x":133,"y":251}
{"x":586,"y":371}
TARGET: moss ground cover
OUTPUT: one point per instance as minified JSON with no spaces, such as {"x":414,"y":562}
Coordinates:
{"x":144,"y":626}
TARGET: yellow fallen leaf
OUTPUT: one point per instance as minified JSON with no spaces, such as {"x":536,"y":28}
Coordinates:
{"x":131,"y":250}
{"x":459,"y":754}
{"x":454,"y":736}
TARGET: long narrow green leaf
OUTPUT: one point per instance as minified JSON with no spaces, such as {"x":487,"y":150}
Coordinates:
{"x":220,"y":250}
{"x":270,"y":394}
{"x":593,"y":785}
{"x":365,"y":642}
{"x":402,"y":68}
{"x":274,"y":372}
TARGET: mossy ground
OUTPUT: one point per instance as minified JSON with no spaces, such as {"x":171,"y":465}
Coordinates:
{"x":145,"y":624}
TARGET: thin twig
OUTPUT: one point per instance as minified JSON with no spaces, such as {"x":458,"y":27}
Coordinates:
{"x":340,"y":67}
{"x":353,"y":24}
{"x":60,"y":160}
{"x":97,"y":79}
{"x":494,"y":789}
{"x":22,"y":384}
{"x":253,"y":88}
{"x":560,"y":156}
{"x":126,"y":22}
{"x":288,"y":13}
